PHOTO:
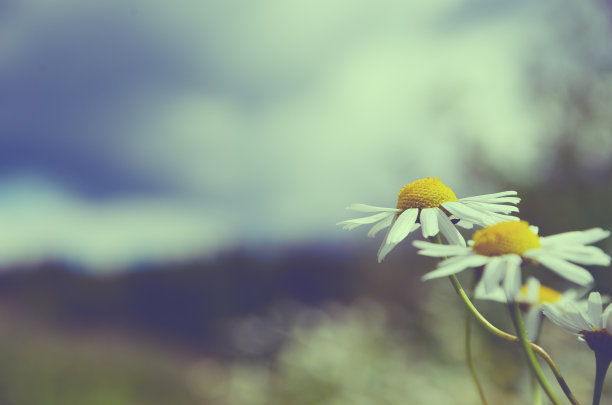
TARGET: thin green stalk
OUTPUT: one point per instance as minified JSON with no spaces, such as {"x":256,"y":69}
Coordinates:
{"x":511,"y":338}
{"x":601,"y":368}
{"x":468,"y":343}
{"x":469,"y":358}
{"x":536,"y":392}
{"x":517,"y":320}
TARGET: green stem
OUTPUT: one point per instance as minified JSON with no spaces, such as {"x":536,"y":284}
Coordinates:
{"x":537,"y":393}
{"x":506,"y":336}
{"x":601,"y":368}
{"x":469,"y":358}
{"x":517,"y":320}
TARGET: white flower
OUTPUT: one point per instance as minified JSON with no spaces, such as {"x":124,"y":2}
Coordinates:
{"x":502,"y":248}
{"x":428,"y":203}
{"x":531,"y":297}
{"x":589,"y":322}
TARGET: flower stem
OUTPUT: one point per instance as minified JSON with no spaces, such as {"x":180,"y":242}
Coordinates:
{"x":601,"y":368}
{"x":506,"y":336}
{"x":517,"y":320}
{"x":468,"y":356}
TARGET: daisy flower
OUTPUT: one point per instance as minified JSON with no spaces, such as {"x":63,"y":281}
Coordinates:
{"x":503,"y":247}
{"x":592,"y":325}
{"x":431,"y":205}
{"x":531,"y":298}
{"x":589,"y":322}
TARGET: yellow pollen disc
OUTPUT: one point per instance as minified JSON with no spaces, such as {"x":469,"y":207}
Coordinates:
{"x":505,"y":238}
{"x":546,"y":294}
{"x":424,"y":193}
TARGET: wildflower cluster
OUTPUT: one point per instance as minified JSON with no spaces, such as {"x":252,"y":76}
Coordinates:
{"x":498,"y":253}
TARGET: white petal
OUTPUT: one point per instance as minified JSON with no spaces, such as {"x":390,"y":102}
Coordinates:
{"x":370,"y":208}
{"x":385,"y":246}
{"x":403,"y":226}
{"x":577,"y":237}
{"x":532,"y":295}
{"x":578,"y":319}
{"x":381,"y":225}
{"x":572,"y":272}
{"x":577,"y":253}
{"x":488,"y":207}
{"x":497,"y":294}
{"x":493,"y":274}
{"x":532,"y":319}
{"x":486,"y":197}
{"x":447,"y":269}
{"x":607,"y":319}
{"x":512,"y":280}
{"x":437,"y":250}
{"x":429,"y":222}
{"x":463,"y":211}
{"x":594,"y":310}
{"x":353,"y":223}
{"x":449,"y":231}
{"x":464,"y":224}
{"x":559,"y":318}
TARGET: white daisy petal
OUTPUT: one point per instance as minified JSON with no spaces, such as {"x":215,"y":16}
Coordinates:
{"x":594,"y":309}
{"x":370,"y":208}
{"x":487,"y":197}
{"x":462,"y":211}
{"x":576,"y":237}
{"x":606,"y":319}
{"x":505,"y":209}
{"x":532,"y":295}
{"x":385,"y":246}
{"x":577,"y":319}
{"x":456,"y":267}
{"x":557,"y":317}
{"x":437,"y":250}
{"x":464,"y":224}
{"x":532,"y":320}
{"x":493,"y":274}
{"x":449,"y":231}
{"x":497,"y":294}
{"x":353,"y":223}
{"x":429,"y":222}
{"x":570,"y":271}
{"x":380,"y":226}
{"x":403,"y":226}
{"x":512,"y":279}
{"x":578,"y":254}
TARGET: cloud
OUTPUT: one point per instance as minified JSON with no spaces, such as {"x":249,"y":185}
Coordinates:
{"x":41,"y":222}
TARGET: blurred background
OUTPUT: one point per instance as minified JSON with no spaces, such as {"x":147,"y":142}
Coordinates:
{"x":171,"y":173}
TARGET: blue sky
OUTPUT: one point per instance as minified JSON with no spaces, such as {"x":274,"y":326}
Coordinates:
{"x":151,"y":131}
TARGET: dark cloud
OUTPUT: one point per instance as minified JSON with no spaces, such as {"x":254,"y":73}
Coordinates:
{"x":73,"y":85}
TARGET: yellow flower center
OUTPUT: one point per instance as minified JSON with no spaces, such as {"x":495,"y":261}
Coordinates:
{"x":505,"y":238}
{"x":424,"y":193}
{"x":546,"y":294}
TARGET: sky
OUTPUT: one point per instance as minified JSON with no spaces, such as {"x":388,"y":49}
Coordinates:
{"x":153,"y":131}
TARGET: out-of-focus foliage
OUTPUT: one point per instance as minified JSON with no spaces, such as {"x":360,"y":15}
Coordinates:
{"x":41,"y":366}
{"x":352,"y":356}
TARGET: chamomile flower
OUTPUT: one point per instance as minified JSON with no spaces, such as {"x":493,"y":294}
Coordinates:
{"x":589,"y":322}
{"x":503,"y":247}
{"x":431,"y":205}
{"x":531,"y":298}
